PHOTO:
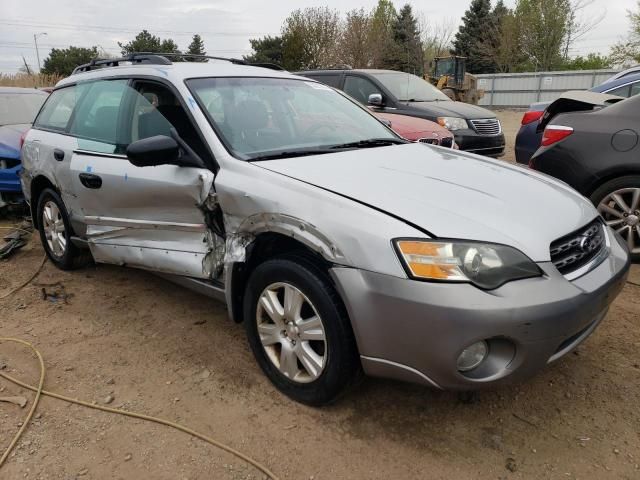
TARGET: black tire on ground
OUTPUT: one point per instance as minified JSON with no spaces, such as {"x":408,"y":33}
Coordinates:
{"x":629,"y":181}
{"x":71,"y":256}
{"x":342,"y":365}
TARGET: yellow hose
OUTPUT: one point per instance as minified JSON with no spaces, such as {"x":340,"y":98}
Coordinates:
{"x":40,"y":391}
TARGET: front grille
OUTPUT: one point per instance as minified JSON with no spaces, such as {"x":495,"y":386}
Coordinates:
{"x":575,"y":250}
{"x":487,"y":126}
{"x":447,"y":142}
{"x":443,"y":142}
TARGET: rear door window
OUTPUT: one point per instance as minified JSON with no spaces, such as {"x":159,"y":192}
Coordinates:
{"x":96,"y":122}
{"x":635,"y":89}
{"x":56,"y":113}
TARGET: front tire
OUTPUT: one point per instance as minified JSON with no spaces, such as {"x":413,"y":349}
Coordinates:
{"x":56,"y":232}
{"x":618,"y":201}
{"x":299,"y":331}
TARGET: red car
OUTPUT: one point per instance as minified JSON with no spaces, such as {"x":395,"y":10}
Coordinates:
{"x":418,"y":129}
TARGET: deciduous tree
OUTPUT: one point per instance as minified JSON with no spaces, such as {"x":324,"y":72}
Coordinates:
{"x":355,"y":46}
{"x":542,"y":27}
{"x":310,"y":37}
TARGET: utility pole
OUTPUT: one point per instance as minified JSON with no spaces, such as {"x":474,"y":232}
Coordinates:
{"x":35,"y":41}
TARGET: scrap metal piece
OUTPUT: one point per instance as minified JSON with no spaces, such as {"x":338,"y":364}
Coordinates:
{"x":20,"y":401}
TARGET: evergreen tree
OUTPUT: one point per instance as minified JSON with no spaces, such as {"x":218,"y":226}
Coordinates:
{"x":406,"y":54}
{"x":383,"y":18}
{"x":265,"y":50}
{"x":146,"y":42}
{"x":196,"y":47}
{"x":472,"y":34}
{"x":62,"y":61}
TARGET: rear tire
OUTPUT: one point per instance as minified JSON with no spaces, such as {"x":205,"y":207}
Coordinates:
{"x":56,"y":232}
{"x":618,"y":201}
{"x":299,"y":331}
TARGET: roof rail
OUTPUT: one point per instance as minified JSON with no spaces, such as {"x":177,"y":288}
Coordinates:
{"x":152,"y":58}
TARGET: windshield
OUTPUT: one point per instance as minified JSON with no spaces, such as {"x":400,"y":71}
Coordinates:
{"x":18,"y":108}
{"x":257,"y":117}
{"x":409,"y":88}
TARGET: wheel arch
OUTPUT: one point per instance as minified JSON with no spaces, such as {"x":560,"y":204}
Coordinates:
{"x":264,"y":246}
{"x":611,"y":174}
{"x":38,"y":185}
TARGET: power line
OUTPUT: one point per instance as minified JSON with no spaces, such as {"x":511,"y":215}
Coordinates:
{"x":110,"y":29}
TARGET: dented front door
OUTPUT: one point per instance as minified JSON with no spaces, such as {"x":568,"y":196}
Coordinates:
{"x":146,"y":217}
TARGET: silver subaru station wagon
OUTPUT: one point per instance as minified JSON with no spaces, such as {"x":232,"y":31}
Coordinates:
{"x":343,"y":248}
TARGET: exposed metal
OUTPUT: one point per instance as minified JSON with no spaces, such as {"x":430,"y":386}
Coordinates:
{"x":291,"y":332}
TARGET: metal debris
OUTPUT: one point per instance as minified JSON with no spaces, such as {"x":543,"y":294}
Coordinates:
{"x":20,"y":401}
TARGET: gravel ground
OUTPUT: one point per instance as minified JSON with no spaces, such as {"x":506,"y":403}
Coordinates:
{"x":159,"y":349}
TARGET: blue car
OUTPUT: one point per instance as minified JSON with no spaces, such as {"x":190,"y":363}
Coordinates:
{"x":528,"y":138}
{"x":18,"y":108}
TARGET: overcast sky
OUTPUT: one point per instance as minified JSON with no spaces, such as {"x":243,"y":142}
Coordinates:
{"x":225,"y":26}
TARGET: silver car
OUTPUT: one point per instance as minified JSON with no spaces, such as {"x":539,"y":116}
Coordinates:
{"x":342,"y":248}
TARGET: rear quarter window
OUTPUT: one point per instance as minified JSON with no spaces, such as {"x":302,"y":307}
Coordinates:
{"x":57,"y":110}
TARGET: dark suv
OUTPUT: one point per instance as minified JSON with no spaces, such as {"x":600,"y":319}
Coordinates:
{"x":476,"y":129}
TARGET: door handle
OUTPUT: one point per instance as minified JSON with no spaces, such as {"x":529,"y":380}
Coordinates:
{"x":90,"y":181}
{"x":58,"y":154}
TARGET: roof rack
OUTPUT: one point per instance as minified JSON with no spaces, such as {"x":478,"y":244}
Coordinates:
{"x":151,"y":58}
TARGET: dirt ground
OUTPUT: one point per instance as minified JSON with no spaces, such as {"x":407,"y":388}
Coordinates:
{"x":158,"y":349}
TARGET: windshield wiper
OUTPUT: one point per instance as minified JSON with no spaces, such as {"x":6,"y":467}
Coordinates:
{"x":291,"y":154}
{"x":371,"y":142}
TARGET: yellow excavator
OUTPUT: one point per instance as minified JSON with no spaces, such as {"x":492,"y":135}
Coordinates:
{"x":449,"y":75}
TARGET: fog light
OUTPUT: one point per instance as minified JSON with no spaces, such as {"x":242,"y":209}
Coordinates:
{"x":472,"y":356}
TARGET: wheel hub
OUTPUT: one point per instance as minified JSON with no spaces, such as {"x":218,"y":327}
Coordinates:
{"x":54,"y":230}
{"x":291,"y":332}
{"x":633,"y":220}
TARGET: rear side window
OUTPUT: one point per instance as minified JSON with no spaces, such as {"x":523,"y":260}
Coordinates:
{"x":96,"y":122}
{"x":331,"y":80}
{"x":635,"y":89}
{"x":56,"y":113}
{"x":621,"y":91}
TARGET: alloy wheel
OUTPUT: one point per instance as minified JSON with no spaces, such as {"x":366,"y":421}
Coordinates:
{"x":291,"y":332}
{"x":54,"y":230}
{"x":621,"y":211}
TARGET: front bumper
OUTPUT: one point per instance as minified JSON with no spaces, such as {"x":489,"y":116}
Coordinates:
{"x":10,"y":179}
{"x":415,"y":331}
{"x":489,"y":145}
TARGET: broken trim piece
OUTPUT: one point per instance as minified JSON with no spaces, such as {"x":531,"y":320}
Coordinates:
{"x":144,"y":224}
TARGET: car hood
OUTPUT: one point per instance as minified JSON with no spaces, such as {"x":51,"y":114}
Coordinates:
{"x":447,"y":108}
{"x":405,"y":125}
{"x":10,"y":140}
{"x":450,"y":194}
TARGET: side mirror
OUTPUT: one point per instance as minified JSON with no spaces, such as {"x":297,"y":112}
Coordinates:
{"x":163,"y":150}
{"x":153,"y":151}
{"x":375,"y":99}
{"x":386,"y":122}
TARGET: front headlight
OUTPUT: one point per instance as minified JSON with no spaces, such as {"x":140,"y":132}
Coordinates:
{"x":453,"y":123}
{"x":486,"y":265}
